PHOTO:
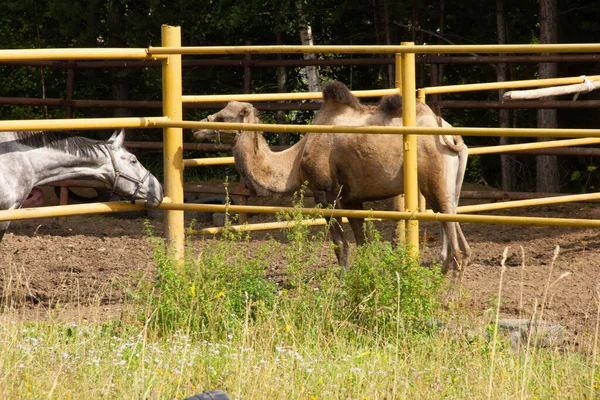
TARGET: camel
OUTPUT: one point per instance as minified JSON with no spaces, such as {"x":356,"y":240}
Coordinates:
{"x":345,"y":170}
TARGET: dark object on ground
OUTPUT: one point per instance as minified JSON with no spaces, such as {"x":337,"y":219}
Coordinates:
{"x":210,"y":395}
{"x":79,"y":195}
{"x":76,"y":196}
{"x":204,"y":216}
{"x":35,"y":199}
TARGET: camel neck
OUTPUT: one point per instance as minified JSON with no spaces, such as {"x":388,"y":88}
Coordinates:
{"x":268,"y":172}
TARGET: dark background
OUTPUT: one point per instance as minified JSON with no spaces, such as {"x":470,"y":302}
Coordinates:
{"x":124,"y":23}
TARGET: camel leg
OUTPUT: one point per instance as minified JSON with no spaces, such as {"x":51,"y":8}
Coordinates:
{"x":465,"y":248}
{"x":450,"y":255}
{"x":339,"y":241}
{"x":338,"y":238}
{"x":400,"y":232}
{"x":357,"y":224}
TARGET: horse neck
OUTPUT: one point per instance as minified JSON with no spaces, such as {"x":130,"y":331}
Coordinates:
{"x":51,"y":165}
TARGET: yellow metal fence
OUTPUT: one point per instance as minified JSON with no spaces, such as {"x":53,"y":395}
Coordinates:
{"x":172,"y":123}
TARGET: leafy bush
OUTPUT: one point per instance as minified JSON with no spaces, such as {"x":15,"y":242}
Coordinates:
{"x":210,"y":292}
{"x":225,"y":287}
{"x":385,"y":286}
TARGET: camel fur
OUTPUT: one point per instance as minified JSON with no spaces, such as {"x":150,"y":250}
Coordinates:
{"x":345,"y":170}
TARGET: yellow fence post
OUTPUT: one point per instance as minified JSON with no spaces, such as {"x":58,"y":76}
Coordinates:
{"x":422,"y":201}
{"x":399,"y":200}
{"x":173,"y":141}
{"x":409,"y":118}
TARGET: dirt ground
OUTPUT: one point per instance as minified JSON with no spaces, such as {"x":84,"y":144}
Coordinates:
{"x":85,"y":264}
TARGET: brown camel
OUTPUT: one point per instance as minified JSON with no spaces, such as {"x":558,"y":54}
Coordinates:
{"x":346,"y":170}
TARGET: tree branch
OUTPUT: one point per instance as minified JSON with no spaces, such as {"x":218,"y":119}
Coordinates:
{"x":494,"y":66}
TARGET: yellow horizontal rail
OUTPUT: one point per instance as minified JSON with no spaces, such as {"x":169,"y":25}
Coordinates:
{"x":81,"y":123}
{"x":532,"y":146}
{"x":392,"y":215}
{"x":70,"y":210}
{"x":265,"y":226}
{"x":364,"y":49}
{"x":517,"y":132}
{"x":507,"y":85}
{"x":528,"y":203}
{"x":201,"y":162}
{"x":281,"y":96}
{"x":98,"y":208}
{"x":77,"y":54}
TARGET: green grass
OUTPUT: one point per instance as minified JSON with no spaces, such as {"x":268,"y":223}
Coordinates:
{"x":270,"y":359}
{"x":218,"y":321}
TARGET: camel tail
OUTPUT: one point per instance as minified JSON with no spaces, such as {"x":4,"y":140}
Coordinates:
{"x":391,"y":105}
{"x":455,"y":143}
{"x":337,"y":92}
{"x":463,"y":155}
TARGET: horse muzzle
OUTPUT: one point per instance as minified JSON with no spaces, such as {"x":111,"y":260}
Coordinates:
{"x":153,"y":193}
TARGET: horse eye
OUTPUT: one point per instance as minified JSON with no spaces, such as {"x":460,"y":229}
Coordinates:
{"x":134,"y":160}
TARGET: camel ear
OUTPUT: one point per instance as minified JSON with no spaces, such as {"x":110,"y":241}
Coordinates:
{"x":247,"y":114}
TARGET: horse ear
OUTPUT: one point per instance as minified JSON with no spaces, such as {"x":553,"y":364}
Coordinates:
{"x":117,"y":138}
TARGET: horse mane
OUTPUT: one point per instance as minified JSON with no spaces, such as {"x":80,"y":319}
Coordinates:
{"x":60,"y":141}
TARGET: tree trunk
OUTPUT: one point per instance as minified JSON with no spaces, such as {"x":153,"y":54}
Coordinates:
{"x":415,"y":21}
{"x":312,"y":72}
{"x":507,"y":162}
{"x":547,"y":178}
{"x":248,"y":71}
{"x":442,"y":22}
{"x":388,"y":41}
{"x":120,"y":78}
{"x":382,"y":33}
{"x":284,"y":138}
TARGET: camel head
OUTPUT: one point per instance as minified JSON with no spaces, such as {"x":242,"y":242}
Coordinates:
{"x":235,"y":111}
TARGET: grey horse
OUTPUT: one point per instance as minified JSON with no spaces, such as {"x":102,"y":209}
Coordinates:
{"x":34,"y":158}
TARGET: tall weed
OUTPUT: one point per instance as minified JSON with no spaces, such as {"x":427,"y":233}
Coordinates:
{"x":225,"y":285}
{"x":385,"y":284}
{"x":209,"y":292}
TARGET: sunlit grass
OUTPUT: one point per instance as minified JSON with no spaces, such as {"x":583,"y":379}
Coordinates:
{"x":270,"y":360}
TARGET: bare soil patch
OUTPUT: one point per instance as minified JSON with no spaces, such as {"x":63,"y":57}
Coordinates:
{"x":86,"y":263}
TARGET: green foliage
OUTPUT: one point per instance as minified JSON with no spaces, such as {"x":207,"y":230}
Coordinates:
{"x":474,"y":172}
{"x":303,"y":241}
{"x":585,"y":179}
{"x":211,"y":291}
{"x":226,"y":285}
{"x":123,"y":23}
{"x":385,"y":286}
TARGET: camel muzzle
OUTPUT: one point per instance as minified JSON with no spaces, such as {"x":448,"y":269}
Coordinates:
{"x":205,"y":134}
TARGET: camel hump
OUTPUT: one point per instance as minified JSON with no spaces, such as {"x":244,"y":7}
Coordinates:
{"x":337,"y":92}
{"x":391,"y":105}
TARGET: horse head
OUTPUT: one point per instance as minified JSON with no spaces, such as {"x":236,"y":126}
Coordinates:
{"x":130,"y":179}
